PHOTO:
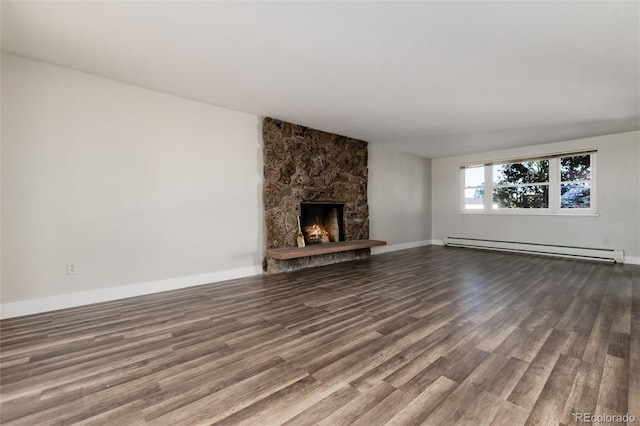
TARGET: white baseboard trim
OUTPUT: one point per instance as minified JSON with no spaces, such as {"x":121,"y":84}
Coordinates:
{"x":71,"y":300}
{"x":437,"y":242}
{"x":401,"y":246}
{"x":632,"y":260}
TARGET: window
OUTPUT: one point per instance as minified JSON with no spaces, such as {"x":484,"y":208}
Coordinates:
{"x":474,"y":188}
{"x":523,"y":185}
{"x":575,"y":182}
{"x":560,"y":184}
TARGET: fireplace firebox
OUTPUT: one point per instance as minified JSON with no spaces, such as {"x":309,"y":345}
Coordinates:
{"x":322,"y":222}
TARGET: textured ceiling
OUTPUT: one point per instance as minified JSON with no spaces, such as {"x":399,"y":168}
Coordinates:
{"x":431,"y":78}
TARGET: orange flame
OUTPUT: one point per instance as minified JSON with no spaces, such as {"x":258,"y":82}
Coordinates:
{"x":315,"y":231}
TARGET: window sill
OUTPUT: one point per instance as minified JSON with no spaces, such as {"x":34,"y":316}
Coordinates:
{"x":521,"y":213}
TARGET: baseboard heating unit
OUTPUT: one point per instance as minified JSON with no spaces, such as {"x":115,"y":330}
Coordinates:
{"x":603,"y":254}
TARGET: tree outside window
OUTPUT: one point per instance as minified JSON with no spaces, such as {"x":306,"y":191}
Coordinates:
{"x":575,"y":182}
{"x":522,"y":185}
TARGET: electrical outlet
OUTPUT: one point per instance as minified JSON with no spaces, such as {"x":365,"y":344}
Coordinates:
{"x":72,"y":268}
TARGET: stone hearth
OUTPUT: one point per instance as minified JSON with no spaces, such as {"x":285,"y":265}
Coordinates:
{"x":307,"y":165}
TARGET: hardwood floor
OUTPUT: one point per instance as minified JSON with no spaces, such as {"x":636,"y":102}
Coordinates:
{"x":430,"y":335}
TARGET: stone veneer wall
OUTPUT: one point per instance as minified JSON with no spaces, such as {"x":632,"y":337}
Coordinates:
{"x":303,"y":164}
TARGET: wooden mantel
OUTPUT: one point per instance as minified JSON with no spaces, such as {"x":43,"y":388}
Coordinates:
{"x":316,"y":249}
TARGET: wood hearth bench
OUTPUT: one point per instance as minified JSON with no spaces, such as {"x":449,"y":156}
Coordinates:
{"x":317,"y":249}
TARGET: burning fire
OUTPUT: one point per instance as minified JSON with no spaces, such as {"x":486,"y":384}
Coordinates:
{"x":317,"y":233}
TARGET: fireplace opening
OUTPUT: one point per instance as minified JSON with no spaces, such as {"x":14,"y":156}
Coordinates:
{"x":322,"y":222}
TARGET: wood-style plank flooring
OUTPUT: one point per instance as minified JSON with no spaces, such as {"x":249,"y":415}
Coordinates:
{"x":430,"y":335}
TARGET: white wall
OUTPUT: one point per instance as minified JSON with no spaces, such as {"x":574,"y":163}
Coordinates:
{"x":618,"y":201}
{"x":1,"y":61}
{"x":146,"y":191}
{"x":399,"y":197}
{"x":136,"y":186}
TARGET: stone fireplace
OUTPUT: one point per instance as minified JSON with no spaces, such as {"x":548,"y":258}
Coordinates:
{"x":307,"y":174}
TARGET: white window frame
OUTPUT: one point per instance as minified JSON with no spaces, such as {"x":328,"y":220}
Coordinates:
{"x":554,"y":187}
{"x":592,"y":187}
{"x":502,"y":210}
{"x":464,"y":188}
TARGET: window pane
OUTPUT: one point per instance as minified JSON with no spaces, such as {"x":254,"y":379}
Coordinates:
{"x":574,"y":168}
{"x":474,"y":198}
{"x":474,"y":176}
{"x":523,"y":197}
{"x":525,"y":172}
{"x":575,"y":196}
